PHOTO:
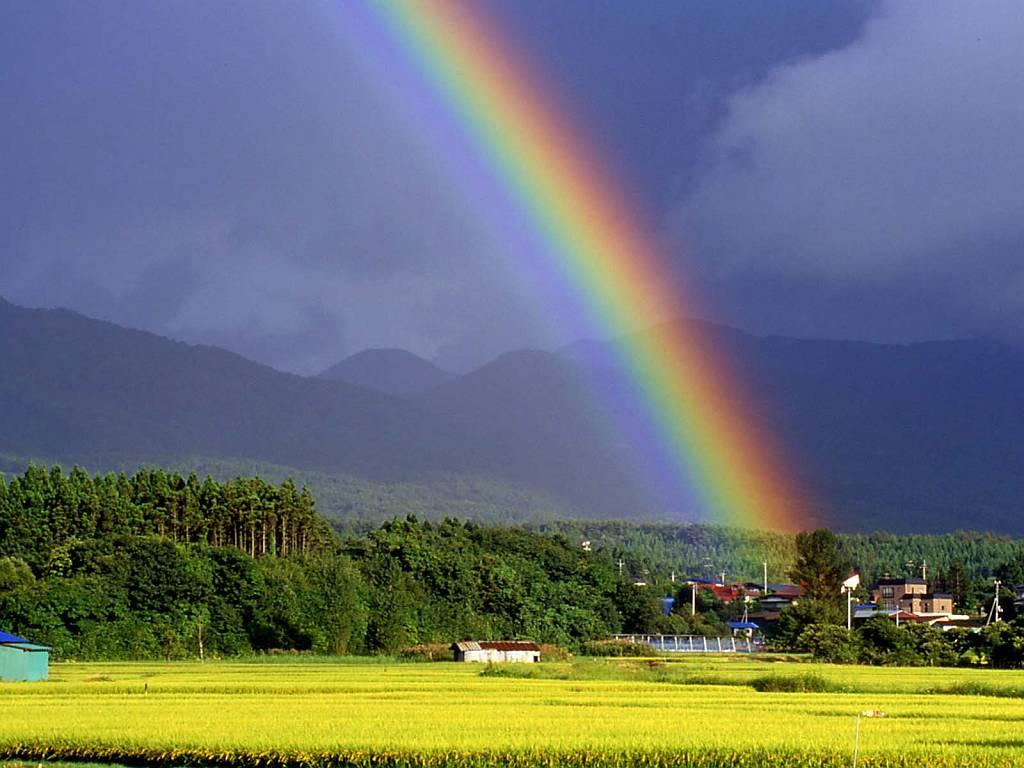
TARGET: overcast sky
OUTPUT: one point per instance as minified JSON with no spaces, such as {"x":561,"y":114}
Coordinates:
{"x":233,"y":173}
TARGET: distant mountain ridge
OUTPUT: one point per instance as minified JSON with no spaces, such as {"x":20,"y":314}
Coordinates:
{"x":915,"y":437}
{"x":76,"y":388}
{"x":391,"y":371}
{"x":907,"y":438}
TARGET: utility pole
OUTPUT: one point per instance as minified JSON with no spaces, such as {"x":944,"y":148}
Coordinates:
{"x":673,"y":577}
{"x":765,"y":564}
{"x":993,"y":614}
{"x":924,"y":570}
{"x":723,"y":578}
{"x":693,"y":599}
{"x":621,"y":563}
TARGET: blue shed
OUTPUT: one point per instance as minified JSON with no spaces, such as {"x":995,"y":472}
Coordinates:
{"x":21,"y":659}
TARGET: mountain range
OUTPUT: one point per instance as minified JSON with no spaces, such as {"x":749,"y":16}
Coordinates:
{"x":907,"y":438}
{"x":391,"y":371}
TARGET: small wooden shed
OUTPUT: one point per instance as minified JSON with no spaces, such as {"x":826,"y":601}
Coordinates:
{"x":23,"y":660}
{"x":496,"y":651}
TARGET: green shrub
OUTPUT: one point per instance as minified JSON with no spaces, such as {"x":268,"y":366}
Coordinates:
{"x":426,"y":652}
{"x":551,"y":652}
{"x":808,"y":682}
{"x":616,"y":648}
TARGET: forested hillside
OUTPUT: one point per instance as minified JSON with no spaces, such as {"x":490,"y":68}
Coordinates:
{"x":655,"y":551}
{"x":160,"y":564}
{"x":77,"y":389}
{"x":905,"y":438}
{"x":392,"y":371}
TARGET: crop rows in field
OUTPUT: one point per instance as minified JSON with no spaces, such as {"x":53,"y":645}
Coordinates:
{"x":588,"y":715}
{"x":694,"y":758}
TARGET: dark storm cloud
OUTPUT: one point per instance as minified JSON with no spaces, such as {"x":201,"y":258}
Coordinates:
{"x":231,"y":172}
{"x":874,"y":191}
{"x":221,"y":172}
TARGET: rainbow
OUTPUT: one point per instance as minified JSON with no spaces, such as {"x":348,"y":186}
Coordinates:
{"x":612,"y":265}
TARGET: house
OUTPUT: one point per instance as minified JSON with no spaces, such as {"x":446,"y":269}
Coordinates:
{"x":912,"y":596}
{"x":890,"y":592}
{"x":727,"y":593}
{"x":496,"y":651}
{"x":779,"y":596}
{"x":753,"y":589}
{"x":23,"y":660}
{"x":783,"y":594}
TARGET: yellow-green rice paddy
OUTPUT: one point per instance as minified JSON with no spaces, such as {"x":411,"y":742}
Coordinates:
{"x":694,"y":711}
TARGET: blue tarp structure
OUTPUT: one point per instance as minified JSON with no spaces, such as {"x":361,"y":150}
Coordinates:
{"x":743,"y":625}
{"x":23,"y":660}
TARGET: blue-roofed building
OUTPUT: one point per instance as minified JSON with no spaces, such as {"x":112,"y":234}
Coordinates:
{"x":23,"y":660}
{"x":743,"y":628}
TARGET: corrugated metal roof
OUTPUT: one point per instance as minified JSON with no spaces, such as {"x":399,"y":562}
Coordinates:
{"x":495,"y":645}
{"x":509,"y":645}
{"x":7,"y":637}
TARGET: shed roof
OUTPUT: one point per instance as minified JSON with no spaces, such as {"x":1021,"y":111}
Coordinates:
{"x":495,"y":645}
{"x":509,"y":645}
{"x":7,"y":637}
{"x":7,"y":640}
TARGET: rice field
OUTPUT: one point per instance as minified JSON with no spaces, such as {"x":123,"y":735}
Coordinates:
{"x":697,"y":711}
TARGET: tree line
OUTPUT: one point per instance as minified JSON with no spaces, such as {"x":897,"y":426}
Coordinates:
{"x":962,"y":562}
{"x":157,"y":564}
{"x":160,"y":564}
{"x":816,"y":624}
{"x":45,"y":510}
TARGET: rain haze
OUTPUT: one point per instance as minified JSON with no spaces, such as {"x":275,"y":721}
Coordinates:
{"x":237,"y":174}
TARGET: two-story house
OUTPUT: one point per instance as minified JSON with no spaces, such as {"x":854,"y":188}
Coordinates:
{"x":910,"y":594}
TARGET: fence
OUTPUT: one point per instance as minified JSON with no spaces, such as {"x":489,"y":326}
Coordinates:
{"x":692,"y":643}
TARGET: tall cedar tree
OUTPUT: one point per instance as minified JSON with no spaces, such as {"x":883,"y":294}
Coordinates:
{"x":820,"y":566}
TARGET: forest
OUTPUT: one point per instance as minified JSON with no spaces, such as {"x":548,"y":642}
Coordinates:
{"x":160,"y":564}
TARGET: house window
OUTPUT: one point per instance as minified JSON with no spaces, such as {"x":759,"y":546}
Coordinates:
{"x":886,"y":591}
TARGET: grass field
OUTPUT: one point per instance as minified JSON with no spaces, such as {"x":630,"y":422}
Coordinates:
{"x":697,"y":711}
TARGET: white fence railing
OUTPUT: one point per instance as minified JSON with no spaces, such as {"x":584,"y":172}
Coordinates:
{"x":692,"y":643}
